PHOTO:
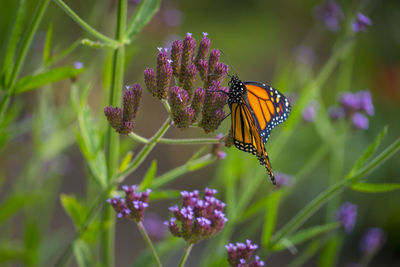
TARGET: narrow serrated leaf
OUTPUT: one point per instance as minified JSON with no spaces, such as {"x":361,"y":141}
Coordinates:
{"x":144,"y":13}
{"x":271,"y":213}
{"x":305,"y":235}
{"x":367,"y":153}
{"x":75,"y":210}
{"x":47,"y":45}
{"x":35,"y":81}
{"x":150,"y":174}
{"x":375,"y":188}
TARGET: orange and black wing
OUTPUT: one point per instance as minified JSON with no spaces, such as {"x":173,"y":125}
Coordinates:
{"x":246,"y":135}
{"x":268,"y":105}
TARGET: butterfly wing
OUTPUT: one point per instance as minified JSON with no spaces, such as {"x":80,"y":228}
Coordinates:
{"x":268,"y":105}
{"x":246,"y":135}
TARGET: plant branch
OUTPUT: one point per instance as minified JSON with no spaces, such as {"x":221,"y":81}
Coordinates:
{"x":185,"y":255}
{"x":149,"y":243}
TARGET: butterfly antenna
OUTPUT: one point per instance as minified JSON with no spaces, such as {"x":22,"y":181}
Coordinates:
{"x":230,"y":64}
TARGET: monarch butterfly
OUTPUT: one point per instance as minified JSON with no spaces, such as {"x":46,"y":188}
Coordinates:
{"x":256,"y":108}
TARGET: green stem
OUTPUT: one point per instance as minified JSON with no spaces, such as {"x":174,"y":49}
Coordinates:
{"x":149,"y":243}
{"x":187,"y":141}
{"x":185,"y":255}
{"x":32,"y":28}
{"x":112,"y":138}
{"x":86,"y":26}
{"x":145,"y":151}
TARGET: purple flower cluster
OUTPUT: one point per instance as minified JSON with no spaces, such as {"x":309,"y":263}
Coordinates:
{"x":240,"y":255}
{"x":373,"y":240}
{"x":283,"y":179}
{"x":330,"y":13}
{"x":122,"y":120}
{"x":133,"y":205}
{"x":186,"y":100}
{"x":347,"y":215}
{"x":198,"y":218}
{"x":310,"y":111}
{"x":354,"y":106}
{"x":361,"y":23}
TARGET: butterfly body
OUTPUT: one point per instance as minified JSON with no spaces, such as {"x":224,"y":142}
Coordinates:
{"x":256,"y":109}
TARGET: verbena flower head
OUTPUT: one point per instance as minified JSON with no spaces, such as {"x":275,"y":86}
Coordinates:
{"x":133,"y":205}
{"x":373,"y":240}
{"x":355,"y":107}
{"x":154,"y":225}
{"x":184,"y":65}
{"x":331,"y":14}
{"x":310,"y":111}
{"x":361,"y":23}
{"x":197,"y":218}
{"x":217,"y":148}
{"x":283,"y":179}
{"x":122,"y":120}
{"x":241,"y":253}
{"x":347,"y":215}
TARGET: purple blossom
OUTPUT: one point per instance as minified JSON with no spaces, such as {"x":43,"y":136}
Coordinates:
{"x":154,"y":226}
{"x":78,"y":65}
{"x":204,"y":47}
{"x":360,"y":121}
{"x":310,"y":111}
{"x":164,"y":74}
{"x":365,"y":102}
{"x":331,"y":14}
{"x":190,"y":79}
{"x":336,"y":113}
{"x":199,"y":218}
{"x":133,"y":205}
{"x":350,"y":102}
{"x":282,"y":179}
{"x":240,"y":254}
{"x":173,"y":17}
{"x":347,"y":215}
{"x":373,"y":240}
{"x":361,"y":23}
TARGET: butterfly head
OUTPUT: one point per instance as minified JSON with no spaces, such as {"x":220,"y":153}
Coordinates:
{"x":236,"y":90}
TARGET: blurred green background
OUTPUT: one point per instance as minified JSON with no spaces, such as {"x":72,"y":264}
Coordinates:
{"x":261,"y":40}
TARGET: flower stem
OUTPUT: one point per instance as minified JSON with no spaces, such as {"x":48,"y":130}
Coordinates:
{"x":186,"y":141}
{"x":86,"y":26}
{"x":145,"y":151}
{"x":149,"y":243}
{"x":112,"y":138}
{"x":185,"y":255}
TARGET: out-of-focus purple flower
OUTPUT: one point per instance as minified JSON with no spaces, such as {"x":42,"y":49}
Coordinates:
{"x":360,"y":121}
{"x":350,"y":102}
{"x":154,"y":225}
{"x":122,"y":120}
{"x":173,"y":17}
{"x":217,"y":148}
{"x":199,"y":218}
{"x":373,"y":240}
{"x":78,"y":65}
{"x":133,"y":205}
{"x":240,"y":254}
{"x":310,"y":111}
{"x":331,"y":14}
{"x":365,"y":102}
{"x":283,"y":179}
{"x":228,"y":140}
{"x":336,"y":113}
{"x":347,"y":215}
{"x":361,"y":23}
{"x":305,"y":54}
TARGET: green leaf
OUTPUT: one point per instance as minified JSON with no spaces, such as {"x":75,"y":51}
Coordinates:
{"x":11,"y":251}
{"x":14,"y":37}
{"x":304,"y":235}
{"x":367,"y":153}
{"x":32,"y":82}
{"x":76,"y":211}
{"x":15,"y":203}
{"x":31,"y":244}
{"x":47,"y":45}
{"x":375,"y":188}
{"x":330,"y":251}
{"x":88,"y":139}
{"x":144,"y":13}
{"x":271,"y":213}
{"x":82,"y":254}
{"x":150,"y":174}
